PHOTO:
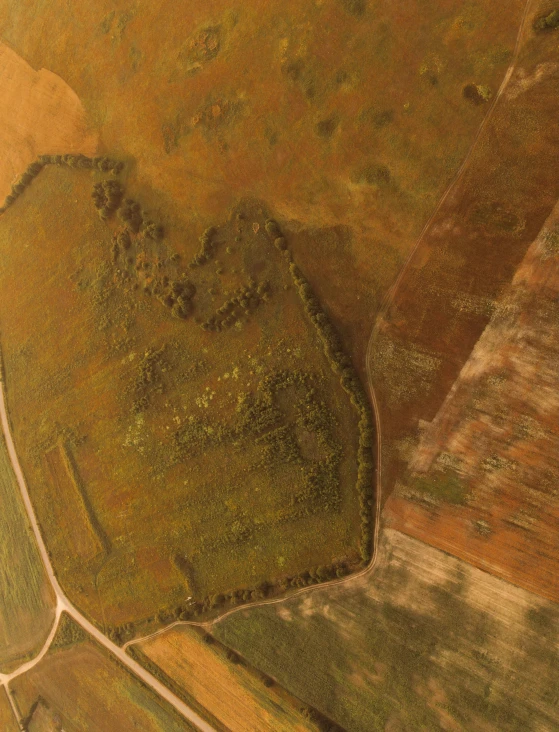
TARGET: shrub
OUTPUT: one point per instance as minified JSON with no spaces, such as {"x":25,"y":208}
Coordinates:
{"x":272,"y":228}
{"x":106,"y":197}
{"x":130,"y":213}
{"x":151,"y":230}
{"x":547,"y":22}
{"x":206,"y":250}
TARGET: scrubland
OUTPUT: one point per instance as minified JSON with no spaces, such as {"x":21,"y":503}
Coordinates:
{"x":193,"y":434}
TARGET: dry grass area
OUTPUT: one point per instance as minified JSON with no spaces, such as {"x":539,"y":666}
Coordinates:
{"x":193,"y":455}
{"x":230,"y":692}
{"x":496,"y":439}
{"x":40,"y":114}
{"x":348,"y":118}
{"x":79,"y":688}
{"x":7,"y":720}
{"x":26,"y":600}
{"x":425,"y":642}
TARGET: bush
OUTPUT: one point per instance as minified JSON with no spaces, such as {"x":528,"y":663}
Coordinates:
{"x":106,"y":197}
{"x":130,"y":213}
{"x":206,"y":248}
{"x":151,"y":230}
{"x":547,"y":22}
{"x":272,"y":229}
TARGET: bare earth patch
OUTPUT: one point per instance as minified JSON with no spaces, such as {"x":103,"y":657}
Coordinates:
{"x":40,"y":114}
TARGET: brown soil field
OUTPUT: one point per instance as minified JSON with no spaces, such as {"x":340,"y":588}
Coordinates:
{"x":40,"y":114}
{"x":7,"y":720}
{"x":470,"y":252}
{"x":232,"y":694}
{"x":495,"y":439}
{"x":347,"y":118}
{"x":79,"y":688}
{"x":425,"y":641}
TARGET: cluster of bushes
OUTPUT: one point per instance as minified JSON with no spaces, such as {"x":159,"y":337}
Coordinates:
{"x":279,"y":447}
{"x":68,"y":633}
{"x":147,"y":380}
{"x":120,"y":634}
{"x":244,"y":301}
{"x":195,"y":435}
{"x":107,"y":196}
{"x":207,"y":248}
{"x":151,"y":230}
{"x":256,"y":413}
{"x":103,"y":164}
{"x":341,"y":364}
{"x":130,"y":213}
{"x":121,"y":242}
{"x":264,"y":590}
{"x":547,"y":22}
{"x":177,"y":295}
{"x":21,"y":184}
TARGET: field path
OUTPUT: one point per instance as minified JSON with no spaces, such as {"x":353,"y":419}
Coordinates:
{"x":63,"y":604}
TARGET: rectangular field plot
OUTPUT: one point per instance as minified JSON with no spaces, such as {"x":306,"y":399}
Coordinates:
{"x":70,"y":506}
{"x":235,"y":696}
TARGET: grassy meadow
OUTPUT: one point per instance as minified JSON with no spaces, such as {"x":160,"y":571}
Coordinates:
{"x":187,"y":424}
{"x":26,"y":600}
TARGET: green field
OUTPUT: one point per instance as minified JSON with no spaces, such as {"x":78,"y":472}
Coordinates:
{"x":26,"y":601}
{"x":426,"y":643}
{"x":193,"y":434}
